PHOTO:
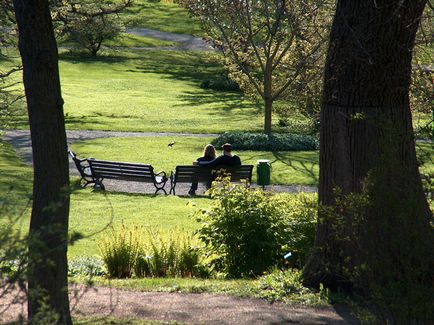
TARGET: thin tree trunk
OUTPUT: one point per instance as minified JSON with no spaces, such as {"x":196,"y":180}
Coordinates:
{"x":47,"y":274}
{"x":268,"y":98}
{"x":367,"y":145}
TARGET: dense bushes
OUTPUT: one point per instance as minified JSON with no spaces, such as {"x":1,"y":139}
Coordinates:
{"x":220,"y":83}
{"x":273,"y":142}
{"x":246,"y":232}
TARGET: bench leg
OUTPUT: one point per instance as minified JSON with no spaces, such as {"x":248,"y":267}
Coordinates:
{"x":172,"y":189}
{"x":98,"y":182}
{"x":160,"y":189}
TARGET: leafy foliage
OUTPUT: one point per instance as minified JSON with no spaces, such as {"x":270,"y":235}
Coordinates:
{"x":245,"y":231}
{"x":86,"y":265}
{"x":272,"y":142}
{"x":286,"y":285}
{"x":89,"y":23}
{"x":267,"y":44}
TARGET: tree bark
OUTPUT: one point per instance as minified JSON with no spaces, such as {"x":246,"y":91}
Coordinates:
{"x":367,"y":146}
{"x":47,"y":274}
{"x":268,"y":97}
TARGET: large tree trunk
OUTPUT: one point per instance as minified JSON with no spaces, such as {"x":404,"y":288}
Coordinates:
{"x":47,"y":274}
{"x":367,"y":146}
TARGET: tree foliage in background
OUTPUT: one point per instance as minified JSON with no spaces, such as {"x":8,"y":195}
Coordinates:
{"x":8,"y":40}
{"x":267,"y":44}
{"x":89,"y":22}
{"x":422,"y":78}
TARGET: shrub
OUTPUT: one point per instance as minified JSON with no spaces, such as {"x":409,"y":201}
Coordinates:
{"x":244,"y":231}
{"x":301,"y":212}
{"x":286,"y":285}
{"x":273,"y":142}
{"x":119,"y":250}
{"x":220,"y":83}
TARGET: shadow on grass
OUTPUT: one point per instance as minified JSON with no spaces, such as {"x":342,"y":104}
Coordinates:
{"x":74,"y":56}
{"x":305,"y":165}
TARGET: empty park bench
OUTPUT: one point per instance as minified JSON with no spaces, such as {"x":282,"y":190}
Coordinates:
{"x":202,"y":174}
{"x":83,"y":168}
{"x":104,"y":169}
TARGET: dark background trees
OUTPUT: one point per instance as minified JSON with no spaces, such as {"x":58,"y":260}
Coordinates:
{"x":47,"y":273}
{"x":374,"y":234}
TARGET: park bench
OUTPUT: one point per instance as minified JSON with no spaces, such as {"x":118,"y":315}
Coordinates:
{"x":202,"y":174}
{"x":83,"y":168}
{"x":104,"y":169}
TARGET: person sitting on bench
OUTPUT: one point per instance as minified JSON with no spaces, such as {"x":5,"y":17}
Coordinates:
{"x":209,"y":154}
{"x":226,"y":159}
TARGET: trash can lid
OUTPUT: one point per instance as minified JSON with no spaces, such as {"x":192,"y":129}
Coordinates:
{"x":262,"y":161}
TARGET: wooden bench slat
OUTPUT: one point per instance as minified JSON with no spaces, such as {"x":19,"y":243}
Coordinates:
{"x":201,"y":174}
{"x":102,"y":169}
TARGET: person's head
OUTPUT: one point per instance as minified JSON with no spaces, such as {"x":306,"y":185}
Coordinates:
{"x":227,"y":148}
{"x":209,"y":151}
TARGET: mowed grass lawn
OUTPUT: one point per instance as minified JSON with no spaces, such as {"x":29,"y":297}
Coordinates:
{"x":288,"y":167}
{"x":91,"y":213}
{"x":161,"y":15}
{"x":150,"y":91}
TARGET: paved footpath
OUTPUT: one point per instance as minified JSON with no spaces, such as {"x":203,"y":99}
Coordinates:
{"x":20,"y":139}
{"x":185,"y":42}
{"x":186,"y":308}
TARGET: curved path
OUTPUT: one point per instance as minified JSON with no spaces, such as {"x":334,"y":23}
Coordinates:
{"x":187,"y":308}
{"x":185,"y":42}
{"x":20,"y":140}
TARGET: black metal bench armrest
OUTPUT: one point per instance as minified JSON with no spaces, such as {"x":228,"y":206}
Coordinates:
{"x":162,"y":173}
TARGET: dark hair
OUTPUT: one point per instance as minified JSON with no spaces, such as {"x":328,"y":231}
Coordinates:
{"x":227,"y":147}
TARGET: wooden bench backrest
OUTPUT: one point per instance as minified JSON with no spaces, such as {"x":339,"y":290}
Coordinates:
{"x":204,"y":174}
{"x":122,"y":171}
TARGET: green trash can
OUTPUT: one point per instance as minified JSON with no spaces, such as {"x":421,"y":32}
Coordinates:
{"x":263,"y":170}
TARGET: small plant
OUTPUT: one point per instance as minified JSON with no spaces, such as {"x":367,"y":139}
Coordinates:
{"x":176,"y":256}
{"x":273,"y":142}
{"x":286,"y":285}
{"x":119,"y":250}
{"x":86,"y":265}
{"x":148,"y":254}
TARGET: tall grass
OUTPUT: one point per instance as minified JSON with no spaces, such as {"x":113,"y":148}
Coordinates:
{"x":119,"y":250}
{"x":145,"y":253}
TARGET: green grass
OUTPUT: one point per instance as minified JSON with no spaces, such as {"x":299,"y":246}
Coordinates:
{"x":15,"y":178}
{"x":165,"y":16}
{"x":287,"y":167}
{"x":93,"y":212}
{"x":129,"y":40}
{"x":149,"y":91}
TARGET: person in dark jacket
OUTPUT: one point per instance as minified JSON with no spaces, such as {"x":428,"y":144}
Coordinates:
{"x":226,"y":159}
{"x":209,"y":154}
